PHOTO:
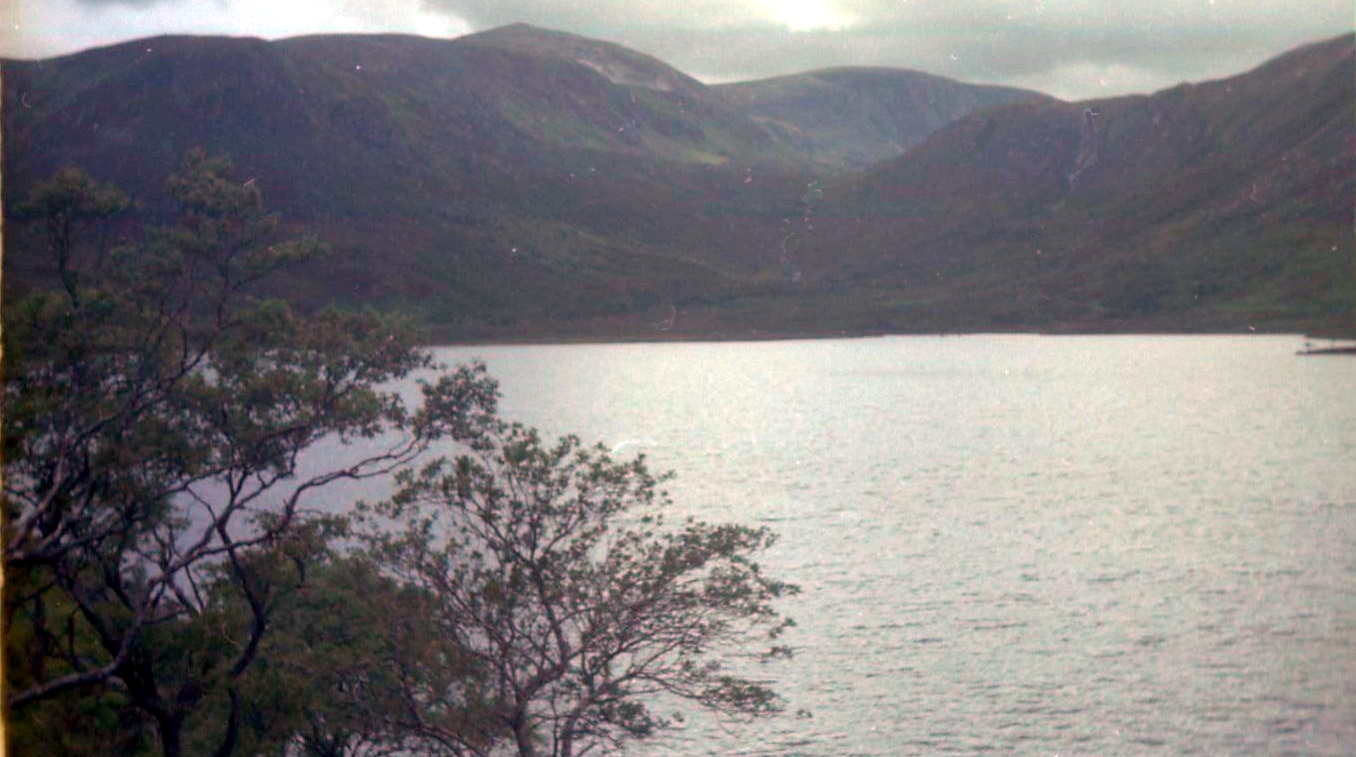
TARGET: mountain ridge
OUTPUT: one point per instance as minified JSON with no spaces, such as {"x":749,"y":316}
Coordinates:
{"x":1182,"y":206}
{"x":526,"y":182}
{"x":853,"y":116}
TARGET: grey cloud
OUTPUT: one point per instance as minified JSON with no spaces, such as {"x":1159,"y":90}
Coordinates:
{"x":1064,"y":47}
{"x":1019,"y":56}
{"x":615,"y":15}
{"x":123,"y":3}
{"x":1151,"y":43}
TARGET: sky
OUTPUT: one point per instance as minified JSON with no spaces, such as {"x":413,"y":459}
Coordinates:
{"x":1074,"y":49}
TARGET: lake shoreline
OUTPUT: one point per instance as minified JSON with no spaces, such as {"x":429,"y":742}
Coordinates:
{"x":759,"y":337}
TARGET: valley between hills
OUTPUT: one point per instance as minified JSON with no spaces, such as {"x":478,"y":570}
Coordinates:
{"x":524,"y":184}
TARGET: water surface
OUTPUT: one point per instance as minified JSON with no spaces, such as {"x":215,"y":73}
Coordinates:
{"x":1019,"y":544}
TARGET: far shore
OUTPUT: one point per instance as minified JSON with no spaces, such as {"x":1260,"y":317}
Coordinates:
{"x":1338,"y":344}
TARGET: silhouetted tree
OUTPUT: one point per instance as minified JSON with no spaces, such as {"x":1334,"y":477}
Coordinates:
{"x":553,"y":570}
{"x":155,"y":418}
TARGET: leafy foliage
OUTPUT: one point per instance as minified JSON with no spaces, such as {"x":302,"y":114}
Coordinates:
{"x":553,"y":568}
{"x":170,"y":589}
{"x":65,"y":205}
{"x":156,"y":415}
{"x":350,"y":666}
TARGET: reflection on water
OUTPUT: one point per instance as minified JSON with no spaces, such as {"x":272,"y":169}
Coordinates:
{"x":1072,"y":545}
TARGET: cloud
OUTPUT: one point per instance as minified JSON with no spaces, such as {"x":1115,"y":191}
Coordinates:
{"x":1070,"y":48}
{"x":124,"y":3}
{"x":1074,"y":63}
{"x":42,"y":28}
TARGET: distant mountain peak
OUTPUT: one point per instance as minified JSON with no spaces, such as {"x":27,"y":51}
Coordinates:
{"x":618,"y":64}
{"x":518,"y":29}
{"x":527,"y":181}
{"x":856,"y":115}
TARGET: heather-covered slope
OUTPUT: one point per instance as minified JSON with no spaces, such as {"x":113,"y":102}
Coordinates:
{"x":1220,"y":205}
{"x":508,"y":174}
{"x":526,"y":182}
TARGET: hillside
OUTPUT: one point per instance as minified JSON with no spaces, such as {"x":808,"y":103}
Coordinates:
{"x":1221,"y":205}
{"x":475,"y":179}
{"x":853,"y":117}
{"x":522,"y":182}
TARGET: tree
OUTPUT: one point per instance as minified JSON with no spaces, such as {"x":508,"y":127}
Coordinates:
{"x":89,"y":720}
{"x":351,"y":666}
{"x":67,"y":204}
{"x":553,"y":569}
{"x":155,"y":417}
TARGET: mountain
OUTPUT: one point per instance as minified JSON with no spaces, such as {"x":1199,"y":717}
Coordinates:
{"x":479,"y":179}
{"x":516,"y":175}
{"x":315,"y":111}
{"x":853,"y":117}
{"x":522,"y":182}
{"x":1220,"y":205}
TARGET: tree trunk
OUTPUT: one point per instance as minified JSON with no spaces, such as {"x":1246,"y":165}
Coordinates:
{"x":522,"y":734}
{"x":171,"y":735}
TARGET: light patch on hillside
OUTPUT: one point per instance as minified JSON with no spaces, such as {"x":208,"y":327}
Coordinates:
{"x":620,"y":73}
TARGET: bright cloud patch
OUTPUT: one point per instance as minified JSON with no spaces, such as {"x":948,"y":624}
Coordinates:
{"x":1082,"y":81}
{"x":809,"y":15}
{"x":42,"y":28}
{"x":1070,"y":48}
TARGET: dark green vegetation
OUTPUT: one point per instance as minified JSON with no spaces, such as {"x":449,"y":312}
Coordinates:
{"x":181,"y":577}
{"x":526,"y":184}
{"x":1217,"y":206}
